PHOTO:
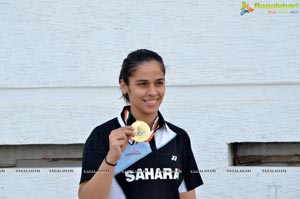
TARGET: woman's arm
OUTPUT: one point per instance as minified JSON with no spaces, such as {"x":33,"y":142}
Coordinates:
{"x":99,"y":185}
{"x":188,"y":195}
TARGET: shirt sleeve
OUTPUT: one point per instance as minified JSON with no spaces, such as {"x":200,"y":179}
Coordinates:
{"x":95,"y":149}
{"x":192,"y":177}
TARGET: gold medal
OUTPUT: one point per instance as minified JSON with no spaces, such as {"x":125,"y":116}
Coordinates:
{"x":141,"y":131}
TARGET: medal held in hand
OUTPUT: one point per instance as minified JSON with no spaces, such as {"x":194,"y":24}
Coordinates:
{"x":141,"y":130}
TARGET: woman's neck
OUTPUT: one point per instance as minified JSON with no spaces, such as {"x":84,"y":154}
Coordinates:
{"x":146,"y":118}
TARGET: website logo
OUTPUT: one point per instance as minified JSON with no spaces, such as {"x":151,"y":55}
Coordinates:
{"x":246,"y":8}
{"x":270,"y":8}
{"x":278,"y":8}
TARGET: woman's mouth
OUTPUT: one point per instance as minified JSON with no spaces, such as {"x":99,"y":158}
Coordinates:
{"x":151,"y":102}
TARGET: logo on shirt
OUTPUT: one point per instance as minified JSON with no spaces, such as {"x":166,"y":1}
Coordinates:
{"x":152,"y":174}
{"x":174,"y":158}
{"x":133,"y":153}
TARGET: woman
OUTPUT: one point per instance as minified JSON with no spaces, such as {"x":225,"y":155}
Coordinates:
{"x":116,"y":166}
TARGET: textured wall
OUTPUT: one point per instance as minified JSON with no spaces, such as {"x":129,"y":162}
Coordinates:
{"x":230,"y":79}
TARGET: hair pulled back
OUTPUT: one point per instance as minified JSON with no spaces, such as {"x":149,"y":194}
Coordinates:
{"x":133,"y":60}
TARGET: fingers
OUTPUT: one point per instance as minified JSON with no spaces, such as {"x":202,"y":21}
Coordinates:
{"x":123,"y":144}
{"x":120,"y":145}
{"x":129,"y":131}
{"x":122,"y":133}
{"x":118,"y":141}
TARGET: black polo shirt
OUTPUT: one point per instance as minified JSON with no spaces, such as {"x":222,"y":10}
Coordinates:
{"x":160,"y":169}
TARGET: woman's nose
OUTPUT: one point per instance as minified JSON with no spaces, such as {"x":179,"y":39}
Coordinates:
{"x":152,"y":90}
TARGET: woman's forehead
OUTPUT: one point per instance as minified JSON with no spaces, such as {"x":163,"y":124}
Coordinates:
{"x":149,"y":68}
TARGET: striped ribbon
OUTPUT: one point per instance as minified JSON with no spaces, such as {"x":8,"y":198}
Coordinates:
{"x":153,"y":128}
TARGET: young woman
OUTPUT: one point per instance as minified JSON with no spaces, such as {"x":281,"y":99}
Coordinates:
{"x":116,"y":166}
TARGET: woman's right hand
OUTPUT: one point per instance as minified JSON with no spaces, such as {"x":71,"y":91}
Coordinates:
{"x":118,"y":141}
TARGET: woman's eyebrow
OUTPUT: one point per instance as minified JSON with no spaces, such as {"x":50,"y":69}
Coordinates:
{"x":145,"y":80}
{"x":161,"y":79}
{"x":141,"y":80}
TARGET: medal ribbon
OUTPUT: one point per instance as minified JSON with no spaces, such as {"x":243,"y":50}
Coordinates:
{"x":127,"y":116}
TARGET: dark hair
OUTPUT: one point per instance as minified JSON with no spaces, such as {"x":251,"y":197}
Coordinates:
{"x":133,"y":60}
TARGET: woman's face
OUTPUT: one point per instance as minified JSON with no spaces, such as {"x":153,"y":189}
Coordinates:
{"x":146,"y":89}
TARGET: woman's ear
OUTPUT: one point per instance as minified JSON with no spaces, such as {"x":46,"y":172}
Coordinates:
{"x":123,"y":87}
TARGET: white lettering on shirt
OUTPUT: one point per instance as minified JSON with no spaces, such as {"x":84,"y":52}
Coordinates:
{"x":152,"y":174}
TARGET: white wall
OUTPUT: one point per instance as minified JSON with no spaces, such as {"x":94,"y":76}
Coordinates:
{"x":230,"y":79}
